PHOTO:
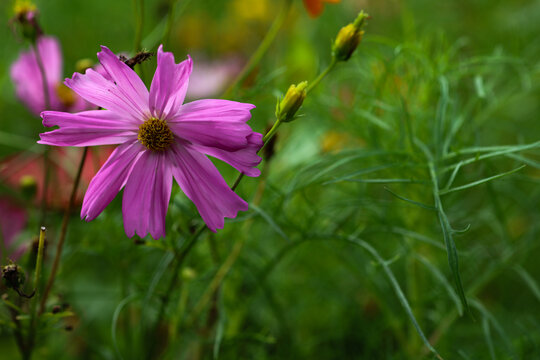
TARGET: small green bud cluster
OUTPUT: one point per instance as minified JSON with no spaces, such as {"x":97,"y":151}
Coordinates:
{"x":26,"y":19}
{"x":348,"y":38}
{"x":288,"y":106}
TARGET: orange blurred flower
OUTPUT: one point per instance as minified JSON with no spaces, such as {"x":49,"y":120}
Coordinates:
{"x":315,"y":7}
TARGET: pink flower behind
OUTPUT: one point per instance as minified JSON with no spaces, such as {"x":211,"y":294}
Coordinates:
{"x":159,"y":138}
{"x":26,"y":76}
{"x":210,"y":77}
{"x":12,"y":222}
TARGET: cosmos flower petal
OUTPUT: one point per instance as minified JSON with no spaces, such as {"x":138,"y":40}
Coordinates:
{"x":169,"y":85}
{"x":87,"y":128}
{"x":94,"y":88}
{"x":214,"y":123}
{"x":127,"y":80}
{"x":110,"y":179}
{"x":243,"y":160}
{"x":202,"y":183}
{"x":26,"y":74}
{"x":147,"y":195}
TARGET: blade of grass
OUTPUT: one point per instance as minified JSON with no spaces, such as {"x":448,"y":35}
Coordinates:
{"x":529,"y":280}
{"x":453,"y":260}
{"x":481,"y":181}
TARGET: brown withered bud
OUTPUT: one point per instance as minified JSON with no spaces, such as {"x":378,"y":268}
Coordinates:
{"x":56,"y":309}
{"x":139,"y":58}
{"x":13,"y":276}
{"x":139,"y":241}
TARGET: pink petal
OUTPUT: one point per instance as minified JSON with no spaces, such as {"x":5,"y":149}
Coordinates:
{"x":147,"y":195}
{"x":214,"y":123}
{"x":169,"y":85}
{"x":202,"y":183}
{"x":87,"y":128}
{"x":110,"y":179}
{"x":26,"y":75}
{"x":243,"y":160}
{"x":122,"y":92}
{"x":128,"y":82}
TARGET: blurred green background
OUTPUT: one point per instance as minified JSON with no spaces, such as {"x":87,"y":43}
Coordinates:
{"x":458,"y":79}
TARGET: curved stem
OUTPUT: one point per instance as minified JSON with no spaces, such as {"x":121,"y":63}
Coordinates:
{"x":262,"y":49}
{"x":63,"y":231}
{"x":322,"y":75}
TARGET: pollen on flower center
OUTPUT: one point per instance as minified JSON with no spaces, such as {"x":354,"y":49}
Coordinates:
{"x":155,"y":134}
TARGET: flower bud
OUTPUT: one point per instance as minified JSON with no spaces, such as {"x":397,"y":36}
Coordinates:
{"x":83,"y":64}
{"x":28,"y":186}
{"x":13,"y":276}
{"x":349,"y":38}
{"x":288,"y":106}
{"x":26,"y":16}
{"x":188,"y":274}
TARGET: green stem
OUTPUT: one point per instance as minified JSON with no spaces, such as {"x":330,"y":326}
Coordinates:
{"x":173,"y":283}
{"x":63,"y":231}
{"x":139,"y":22}
{"x":170,"y":20}
{"x":46,"y":163}
{"x":39,"y":260}
{"x":27,"y":354}
{"x":322,"y":75}
{"x":262,"y":49}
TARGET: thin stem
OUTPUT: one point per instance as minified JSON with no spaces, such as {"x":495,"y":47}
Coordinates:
{"x":37,"y":276}
{"x":322,"y":75}
{"x":139,"y":22}
{"x":262,"y":49}
{"x":46,"y":162}
{"x":174,"y":279}
{"x":170,"y":20}
{"x":63,"y":231}
{"x":39,"y":260}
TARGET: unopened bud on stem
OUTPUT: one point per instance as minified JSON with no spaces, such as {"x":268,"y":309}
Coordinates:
{"x":348,"y":38}
{"x":288,"y":106}
{"x":26,"y":17}
{"x":13,"y":276}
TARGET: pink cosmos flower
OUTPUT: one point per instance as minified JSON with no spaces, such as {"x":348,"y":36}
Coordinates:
{"x":26,"y":76}
{"x":160,"y":138}
{"x":210,"y":77}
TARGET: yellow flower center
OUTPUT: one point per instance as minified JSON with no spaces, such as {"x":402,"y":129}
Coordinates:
{"x":155,"y":134}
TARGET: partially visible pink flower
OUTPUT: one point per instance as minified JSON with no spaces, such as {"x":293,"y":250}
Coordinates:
{"x":209,"y":78}
{"x":63,"y":168}
{"x":26,"y":76}
{"x":12,"y":222}
{"x":160,"y":138}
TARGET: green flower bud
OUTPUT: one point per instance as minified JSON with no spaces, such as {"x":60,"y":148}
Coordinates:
{"x":188,"y":273}
{"x":83,"y":64}
{"x":288,"y":106}
{"x":28,"y":186}
{"x":26,"y":17}
{"x":348,"y":38}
